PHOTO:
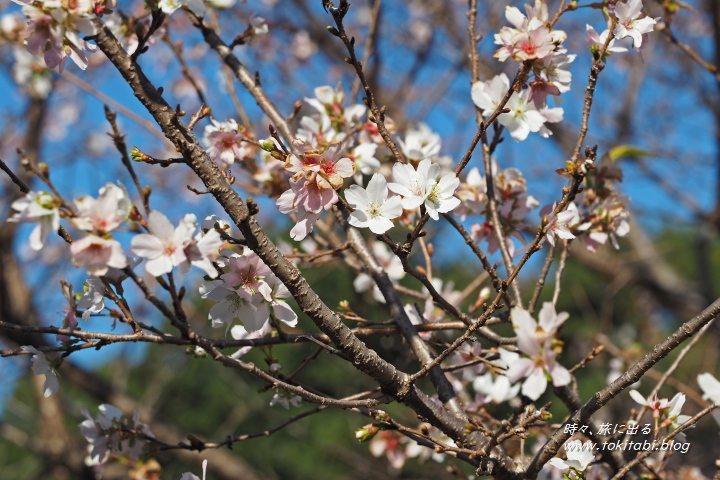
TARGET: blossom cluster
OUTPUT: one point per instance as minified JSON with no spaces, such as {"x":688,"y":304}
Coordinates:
{"x":55,"y":29}
{"x":598,"y":215}
{"x":247,"y":291}
{"x":112,"y":432}
{"x":398,"y":448}
{"x":334,"y":145}
{"x":532,"y":40}
{"x":538,"y":351}
{"x":512,"y":202}
{"x":226,"y":142}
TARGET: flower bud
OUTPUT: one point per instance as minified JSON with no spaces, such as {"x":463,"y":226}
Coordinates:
{"x":367,"y":432}
{"x":382,"y":416}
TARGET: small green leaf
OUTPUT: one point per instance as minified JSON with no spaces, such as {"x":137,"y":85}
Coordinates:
{"x":627,"y":151}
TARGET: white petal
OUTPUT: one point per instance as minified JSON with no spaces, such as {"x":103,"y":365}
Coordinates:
{"x":146,"y":246}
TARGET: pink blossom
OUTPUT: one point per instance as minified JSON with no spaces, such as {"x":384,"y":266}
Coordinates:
{"x":226,"y":142}
{"x":97,"y":254}
{"x":55,"y":32}
{"x":246,"y":276}
{"x":106,"y":213}
{"x":305,"y":220}
{"x":389,"y":443}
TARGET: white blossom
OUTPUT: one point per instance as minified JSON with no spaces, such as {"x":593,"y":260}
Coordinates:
{"x":629,"y":22}
{"x":38,"y":207}
{"x":373,"y":208}
{"x":164,"y":246}
{"x":420,"y":143}
{"x":418,"y":187}
{"x":579,"y":456}
{"x":190,"y":476}
{"x":93,"y":300}
{"x":41,"y":366}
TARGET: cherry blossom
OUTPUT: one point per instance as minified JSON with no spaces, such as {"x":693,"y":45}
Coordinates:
{"x":249,"y":292}
{"x":579,"y":456}
{"x":317,"y":174}
{"x":286,"y":400}
{"x":551,"y":72}
{"x":335,"y":121}
{"x":513,"y":206}
{"x":528,"y":112}
{"x":38,"y":207}
{"x":373,"y":208}
{"x":93,"y":301}
{"x":278,"y":306}
{"x":365,"y":162}
{"x":170,"y":6}
{"x":487,"y":95}
{"x":535,"y":342}
{"x":556,"y":225}
{"x":164,"y":246}
{"x":523,"y":117}
{"x":113,"y":433}
{"x":597,"y":41}
{"x":199,"y":250}
{"x":106,"y":213}
{"x":630,"y":24}
{"x":54,"y":32}
{"x":659,"y":406}
{"x":390,"y":444}
{"x":420,"y":143}
{"x":421,"y":187}
{"x":537,"y":43}
{"x":190,"y":476}
{"x":710,"y":387}
{"x":472,"y":194}
{"x":41,"y":366}
{"x":259,"y":28}
{"x":97,"y":254}
{"x":246,"y":276}
{"x":231,"y":305}
{"x":494,"y":389}
{"x":226,"y":142}
{"x":305,"y":220}
{"x":530,"y":38}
